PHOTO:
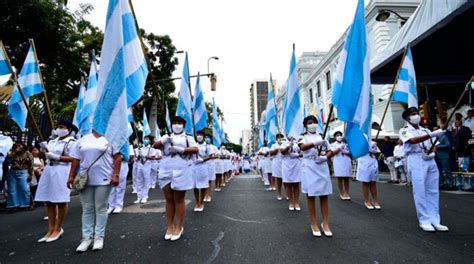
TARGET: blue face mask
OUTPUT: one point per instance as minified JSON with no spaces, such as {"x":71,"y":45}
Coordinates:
{"x":145,"y":142}
{"x":207,"y":140}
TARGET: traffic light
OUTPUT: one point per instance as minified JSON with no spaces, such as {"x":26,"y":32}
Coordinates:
{"x":213,"y":82}
{"x":425,"y":113}
{"x":442,"y":113}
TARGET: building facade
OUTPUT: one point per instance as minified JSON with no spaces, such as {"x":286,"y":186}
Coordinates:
{"x":258,"y":104}
{"x":246,"y":141}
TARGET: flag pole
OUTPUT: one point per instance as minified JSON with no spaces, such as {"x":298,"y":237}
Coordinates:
{"x":391,"y":92}
{"x":46,"y":102}
{"x":331,"y":108}
{"x":458,"y":103}
{"x":15,"y":79}
{"x":275,"y":103}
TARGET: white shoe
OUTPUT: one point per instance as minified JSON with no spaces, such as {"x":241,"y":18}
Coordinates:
{"x":178,"y":236}
{"x":43,"y":239}
{"x":209,"y":199}
{"x":427,"y":228}
{"x":144,"y":201}
{"x":52,"y":239}
{"x":45,"y":218}
{"x":110,"y":210}
{"x":153,"y":187}
{"x":279,"y":198}
{"x":86,"y":243}
{"x":328,"y":233}
{"x":223,"y":185}
{"x":196,"y":209}
{"x":134,"y":191}
{"x":441,"y":228}
{"x":316,"y":233}
{"x":98,"y":243}
{"x":377,"y":207}
{"x":137,"y":201}
{"x":298,"y":208}
{"x":369,"y":206}
{"x":291,"y":208}
{"x":201,"y":209}
{"x":117,"y":211}
{"x":168,"y":236}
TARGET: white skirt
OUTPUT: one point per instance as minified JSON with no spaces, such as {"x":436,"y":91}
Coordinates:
{"x":367,"y":169}
{"x":315,"y":178}
{"x":291,"y":170}
{"x":200,"y":176}
{"x":211,"y":167}
{"x":228,"y":165}
{"x":276,"y":167}
{"x":52,"y":186}
{"x":177,"y":171}
{"x":342,"y":166}
{"x":267,"y":166}
{"x":219,"y":165}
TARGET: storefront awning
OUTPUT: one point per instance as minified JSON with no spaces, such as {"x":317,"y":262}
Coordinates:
{"x":440,"y":36}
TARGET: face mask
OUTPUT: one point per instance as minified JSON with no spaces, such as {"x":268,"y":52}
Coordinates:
{"x":177,"y":128}
{"x":223,"y":148}
{"x":339,"y":138}
{"x":61,"y":132}
{"x":415,"y":119}
{"x":146,"y":142}
{"x":279,"y":141}
{"x":199,"y":138}
{"x":312,"y":128}
{"x":207,"y":140}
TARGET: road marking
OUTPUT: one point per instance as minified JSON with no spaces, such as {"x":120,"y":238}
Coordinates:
{"x":152,"y":206}
{"x":239,"y":220}
{"x":217,"y":248}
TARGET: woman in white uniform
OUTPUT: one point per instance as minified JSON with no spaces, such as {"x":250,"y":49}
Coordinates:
{"x":368,"y":174}
{"x":227,"y":164}
{"x":290,"y":171}
{"x":220,"y":168}
{"x":267,"y":167}
{"x":315,"y":177}
{"x":342,"y":165}
{"x":211,"y":166}
{"x":176,"y":175}
{"x":94,"y":155}
{"x":118,"y":192}
{"x":146,"y":159}
{"x":276,"y":164}
{"x":52,"y":186}
{"x":200,"y":171}
{"x":136,"y":162}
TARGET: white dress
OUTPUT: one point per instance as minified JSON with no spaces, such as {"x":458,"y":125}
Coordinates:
{"x":200,"y":168}
{"x":6,"y":144}
{"x":266,"y":161}
{"x":211,"y":163}
{"x":342,"y":162}
{"x":368,"y":167}
{"x":219,"y":163}
{"x":291,"y":163}
{"x":315,"y":178}
{"x":52,"y":186}
{"x":227,"y":162}
{"x":276,"y":161}
{"x":176,"y":169}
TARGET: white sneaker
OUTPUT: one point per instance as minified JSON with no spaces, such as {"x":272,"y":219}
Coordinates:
{"x":85,"y":245}
{"x":427,"y":228}
{"x":144,"y":201}
{"x":117,"y":211}
{"x":134,"y":191}
{"x":441,"y":228}
{"x":110,"y":210}
{"x":137,"y":201}
{"x":153,"y":187}
{"x":98,"y":243}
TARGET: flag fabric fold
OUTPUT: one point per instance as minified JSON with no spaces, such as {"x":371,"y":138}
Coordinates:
{"x":17,"y":110}
{"x":184,"y":108}
{"x":29,"y":78}
{"x":90,"y":99}
{"x":261,"y":134}
{"x":146,"y":126}
{"x":351,"y":93}
{"x":4,"y":64}
{"x":271,"y":122}
{"x":216,"y":134}
{"x":405,"y":90}
{"x":76,"y":120}
{"x":168,"y":120}
{"x":200,"y":113}
{"x":293,"y":109}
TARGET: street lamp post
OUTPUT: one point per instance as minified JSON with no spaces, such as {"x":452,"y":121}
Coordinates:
{"x":384,"y":14}
{"x":208,"y":60}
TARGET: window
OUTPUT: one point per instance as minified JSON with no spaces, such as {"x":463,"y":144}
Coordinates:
{"x":318,"y":87}
{"x":328,"y":80}
{"x":311,"y":95}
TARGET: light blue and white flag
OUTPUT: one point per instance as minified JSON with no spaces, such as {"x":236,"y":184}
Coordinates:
{"x":76,"y":120}
{"x":405,"y":91}
{"x":130,"y":120}
{"x":293,"y":109}
{"x":261,"y":134}
{"x":351,"y":94}
{"x":222,"y":133}
{"x":185,"y":102}
{"x":4,"y":64}
{"x":200,"y":113}
{"x":168,"y":120}
{"x":90,"y":100}
{"x":29,"y":78}
{"x":157,"y":131}
{"x":216,"y":131}
{"x":271,"y":122}
{"x":17,"y":110}
{"x":146,"y":126}
{"x":317,"y":111}
{"x":122,"y":75}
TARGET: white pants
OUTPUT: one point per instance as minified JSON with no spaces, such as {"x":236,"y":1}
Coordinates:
{"x":143,"y":180}
{"x":118,"y":193}
{"x":425,"y":179}
{"x":391,"y":167}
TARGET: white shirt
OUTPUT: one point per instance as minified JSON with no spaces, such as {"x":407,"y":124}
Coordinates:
{"x":277,"y":147}
{"x":144,"y":152}
{"x":398,"y":151}
{"x":62,"y":147}
{"x":409,"y":132}
{"x":179,"y":140}
{"x":469,"y":123}
{"x":313,"y":152}
{"x":87,"y":150}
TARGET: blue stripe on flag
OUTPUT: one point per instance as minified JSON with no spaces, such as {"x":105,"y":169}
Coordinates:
{"x":134,"y":81}
{"x":129,"y":28}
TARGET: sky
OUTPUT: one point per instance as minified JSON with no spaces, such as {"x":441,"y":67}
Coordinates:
{"x":252,"y":39}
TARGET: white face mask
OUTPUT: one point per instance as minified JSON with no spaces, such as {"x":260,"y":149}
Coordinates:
{"x":177,"y":128}
{"x":415,"y":119}
{"x":62,"y":132}
{"x":312,"y":128}
{"x":339,"y":138}
{"x":199,"y":138}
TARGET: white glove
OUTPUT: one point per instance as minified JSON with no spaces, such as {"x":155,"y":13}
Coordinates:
{"x":43,"y":146}
{"x":345,"y":151}
{"x":165,"y":139}
{"x":52,"y":156}
{"x":437,"y":133}
{"x":198,"y":161}
{"x":294,"y":155}
{"x":320,"y":159}
{"x":428,"y":156}
{"x":318,"y":142}
{"x":176,"y":149}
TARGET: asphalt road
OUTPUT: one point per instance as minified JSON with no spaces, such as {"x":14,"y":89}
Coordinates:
{"x":245,"y":224}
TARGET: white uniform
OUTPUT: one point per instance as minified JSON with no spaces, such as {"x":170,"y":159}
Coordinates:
{"x":118,"y":192}
{"x":291,"y":163}
{"x":227,"y":161}
{"x":211,"y":163}
{"x":315,"y":178}
{"x":52,"y":186}
{"x":200,"y":168}
{"x":276,"y":161}
{"x":219,"y":162}
{"x":144,"y":171}
{"x":424,"y":175}
{"x":401,"y":165}
{"x":6,"y":144}
{"x":176,"y":169}
{"x":367,"y":166}
{"x":342,"y":162}
{"x":154,"y":169}
{"x":266,"y":161}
